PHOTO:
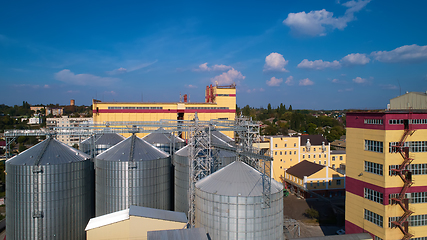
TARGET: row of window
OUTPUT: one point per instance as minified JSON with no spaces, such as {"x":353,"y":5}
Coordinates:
{"x":135,"y":108}
{"x":413,"y":220}
{"x":374,"y":218}
{"x":416,"y":197}
{"x":314,"y":149}
{"x":333,"y":158}
{"x":314,"y":156}
{"x":374,"y":146}
{"x":206,"y":107}
{"x":416,"y":169}
{"x":375,"y":168}
{"x":410,"y":121}
{"x":223,"y":95}
{"x":286,"y":153}
{"x":414,"y":146}
{"x":374,"y":195}
{"x":286,"y":145}
{"x":373,"y":121}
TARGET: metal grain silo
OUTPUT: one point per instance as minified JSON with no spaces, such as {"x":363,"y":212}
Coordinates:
{"x":133,"y":172}
{"x":164,"y":140}
{"x":182,"y":174}
{"x":219,"y":135}
{"x":49,"y":192}
{"x":102,"y":142}
{"x":229,"y":205}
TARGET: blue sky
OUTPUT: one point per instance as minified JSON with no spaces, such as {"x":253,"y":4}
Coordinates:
{"x":310,"y":54}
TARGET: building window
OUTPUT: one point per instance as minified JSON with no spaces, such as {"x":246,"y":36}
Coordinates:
{"x":295,"y":152}
{"x":295,"y":144}
{"x":281,"y":160}
{"x":340,"y":158}
{"x":303,"y":156}
{"x":280,"y":167}
{"x":378,"y":238}
{"x":374,"y":218}
{"x":275,"y":145}
{"x":374,"y":195}
{"x":325,"y":155}
{"x":333,"y":166}
{"x":338,"y":182}
{"x":416,"y":197}
{"x":414,"y":146}
{"x":374,"y":121}
{"x":318,"y":183}
{"x":303,"y":149}
{"x":311,"y":184}
{"x":410,"y":121}
{"x":329,"y":183}
{"x":333,"y":158}
{"x":275,"y":153}
{"x":314,"y":149}
{"x":320,"y":155}
{"x":286,"y":145}
{"x":314,"y":155}
{"x":280,"y":153}
{"x":415,"y":169}
{"x":324,"y":162}
{"x":323,"y":182}
{"x":309,"y":156}
{"x":373,"y":146}
{"x":413,"y":220}
{"x":314,"y":161}
{"x":290,"y":152}
{"x":375,"y":168}
{"x":285,"y":152}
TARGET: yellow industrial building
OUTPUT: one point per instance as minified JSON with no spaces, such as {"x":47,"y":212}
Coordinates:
{"x":386,"y":184}
{"x":220,"y":103}
{"x":288,"y":151}
{"x":308,"y":176}
{"x":133,"y":223}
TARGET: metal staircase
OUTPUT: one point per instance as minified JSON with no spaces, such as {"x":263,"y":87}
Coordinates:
{"x":406,"y":177}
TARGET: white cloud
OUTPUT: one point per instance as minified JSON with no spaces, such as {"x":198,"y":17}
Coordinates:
{"x":46,"y":86}
{"x":335,"y":80}
{"x":318,"y":64}
{"x":406,"y":53}
{"x":289,"y":81}
{"x":122,"y":70}
{"x":355,"y":59}
{"x":388,"y":86}
{"x":261,"y":89}
{"x":345,"y":90}
{"x":204,"y":67}
{"x":190,"y":86}
{"x":83,"y":79}
{"x":228,"y":77}
{"x":316,"y":23}
{"x":110,"y":93}
{"x":305,"y":82}
{"x":359,"y":80}
{"x":274,"y":81}
{"x":275,"y":62}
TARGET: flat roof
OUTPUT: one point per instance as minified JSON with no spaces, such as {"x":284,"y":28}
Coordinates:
{"x":138,"y":211}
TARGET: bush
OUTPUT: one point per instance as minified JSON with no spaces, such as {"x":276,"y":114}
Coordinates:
{"x":312,"y":213}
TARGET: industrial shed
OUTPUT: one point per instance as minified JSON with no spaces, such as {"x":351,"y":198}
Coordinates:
{"x":133,"y":223}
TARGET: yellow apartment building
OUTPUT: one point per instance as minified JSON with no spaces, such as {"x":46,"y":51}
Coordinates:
{"x":386,"y":182}
{"x":338,"y":159}
{"x":290,"y":150}
{"x":220,"y":103}
{"x":314,"y":177}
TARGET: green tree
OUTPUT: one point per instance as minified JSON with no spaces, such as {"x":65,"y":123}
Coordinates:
{"x":269,"y":108}
{"x":290,"y":107}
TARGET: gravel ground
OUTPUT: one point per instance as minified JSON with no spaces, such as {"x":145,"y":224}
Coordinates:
{"x":295,"y":208}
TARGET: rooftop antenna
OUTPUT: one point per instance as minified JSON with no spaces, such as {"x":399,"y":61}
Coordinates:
{"x":400,"y":88}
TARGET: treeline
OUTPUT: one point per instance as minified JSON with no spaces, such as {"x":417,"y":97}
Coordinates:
{"x":280,"y":120}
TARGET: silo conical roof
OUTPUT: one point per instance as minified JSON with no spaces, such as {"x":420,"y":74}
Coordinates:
{"x":185,"y":152}
{"x":222,"y":136}
{"x":141,"y":151}
{"x":105,"y":138}
{"x":236,"y":179}
{"x":159,"y":136}
{"x":48,"y":152}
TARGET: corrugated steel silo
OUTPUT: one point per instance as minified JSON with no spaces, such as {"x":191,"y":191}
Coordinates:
{"x":133,"y":172}
{"x":182,"y":175}
{"x":229,"y":205}
{"x":102,"y":142}
{"x":223,"y":137}
{"x":49,"y":192}
{"x":164,"y":140}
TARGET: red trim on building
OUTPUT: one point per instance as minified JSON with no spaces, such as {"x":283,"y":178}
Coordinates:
{"x":229,"y":95}
{"x":351,"y":228}
{"x":356,"y":120}
{"x":166,"y":110}
{"x":357,"y":187}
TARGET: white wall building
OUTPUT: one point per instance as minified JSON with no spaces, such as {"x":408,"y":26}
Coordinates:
{"x":66,"y":121}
